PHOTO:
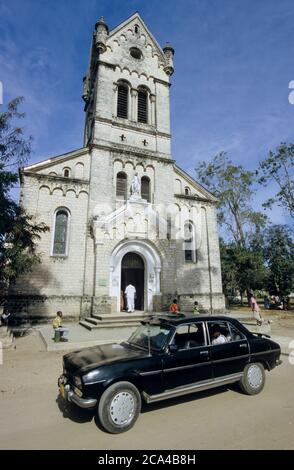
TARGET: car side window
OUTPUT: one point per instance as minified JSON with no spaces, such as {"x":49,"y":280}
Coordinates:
{"x":235,"y":334}
{"x":219,"y":332}
{"x":189,"y":336}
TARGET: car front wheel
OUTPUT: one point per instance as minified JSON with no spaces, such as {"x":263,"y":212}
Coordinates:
{"x":119,"y":407}
{"x":253,"y":379}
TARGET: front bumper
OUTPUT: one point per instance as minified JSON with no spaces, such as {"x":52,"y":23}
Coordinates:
{"x":68,"y":393}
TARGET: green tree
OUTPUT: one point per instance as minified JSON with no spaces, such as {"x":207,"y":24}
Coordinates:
{"x":18,"y":230}
{"x":279,"y":257}
{"x":279,"y":168}
{"x":242,"y":269}
{"x":233,"y":185}
{"x":241,"y":253}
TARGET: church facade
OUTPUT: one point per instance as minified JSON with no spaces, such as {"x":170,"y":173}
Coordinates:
{"x":119,"y":209}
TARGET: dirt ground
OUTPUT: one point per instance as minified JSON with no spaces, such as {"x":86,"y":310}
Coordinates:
{"x":33,"y":416}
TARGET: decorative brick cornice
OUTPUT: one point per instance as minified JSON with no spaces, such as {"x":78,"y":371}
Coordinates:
{"x":146,"y":129}
{"x":122,"y":150}
{"x":52,"y":178}
{"x":195,"y":198}
{"x":163,"y":82}
{"x":107,"y":64}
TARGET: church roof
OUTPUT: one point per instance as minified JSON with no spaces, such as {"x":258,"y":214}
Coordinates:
{"x":56,"y":159}
{"x":206,"y":194}
{"x":136,"y":16}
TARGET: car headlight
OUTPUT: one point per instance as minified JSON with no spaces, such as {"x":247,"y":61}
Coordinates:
{"x":77,"y":381}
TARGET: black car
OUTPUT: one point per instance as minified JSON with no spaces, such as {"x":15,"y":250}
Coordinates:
{"x":166,"y":357}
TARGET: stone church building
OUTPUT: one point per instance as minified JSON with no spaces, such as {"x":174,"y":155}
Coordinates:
{"x":119,"y":209}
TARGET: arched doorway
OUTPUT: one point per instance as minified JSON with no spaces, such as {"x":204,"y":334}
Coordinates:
{"x":133,"y":272}
{"x":152,"y":267}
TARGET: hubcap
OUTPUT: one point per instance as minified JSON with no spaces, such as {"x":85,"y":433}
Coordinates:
{"x":254,"y":375}
{"x":122,"y":408}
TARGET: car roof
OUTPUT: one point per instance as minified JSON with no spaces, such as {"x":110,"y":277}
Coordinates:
{"x":181,"y":318}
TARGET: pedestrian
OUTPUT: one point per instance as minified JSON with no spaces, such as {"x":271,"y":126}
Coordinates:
{"x":4,"y":318}
{"x":287,"y":303}
{"x":122,"y":301}
{"x":130,"y":293}
{"x":174,"y":308}
{"x":57,"y":325}
{"x":255,"y":309}
{"x":196,"y":308}
{"x":266,"y":302}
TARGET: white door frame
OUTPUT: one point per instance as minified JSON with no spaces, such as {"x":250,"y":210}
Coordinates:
{"x":152,"y":264}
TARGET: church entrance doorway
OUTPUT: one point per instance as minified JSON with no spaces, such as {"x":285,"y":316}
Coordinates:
{"x":133,"y":272}
{"x":142,"y":266}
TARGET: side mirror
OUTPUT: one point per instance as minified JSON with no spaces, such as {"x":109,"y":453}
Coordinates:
{"x":173,"y":348}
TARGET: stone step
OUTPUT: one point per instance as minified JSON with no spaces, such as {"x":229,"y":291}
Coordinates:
{"x":110,"y":321}
{"x":86,"y":324}
{"x":124,"y":316}
{"x":99,"y":325}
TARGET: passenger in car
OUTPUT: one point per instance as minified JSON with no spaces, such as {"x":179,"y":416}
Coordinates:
{"x":218,"y":338}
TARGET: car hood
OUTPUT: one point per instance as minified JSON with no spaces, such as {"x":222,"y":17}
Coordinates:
{"x":88,"y":359}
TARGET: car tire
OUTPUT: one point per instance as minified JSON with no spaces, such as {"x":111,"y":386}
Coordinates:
{"x":119,"y":407}
{"x":253,"y":379}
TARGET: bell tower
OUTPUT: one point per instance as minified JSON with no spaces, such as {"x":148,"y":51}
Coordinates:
{"x":126,"y":89}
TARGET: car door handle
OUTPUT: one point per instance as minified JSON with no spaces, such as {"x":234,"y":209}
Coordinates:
{"x":243,"y":345}
{"x":204,"y":353}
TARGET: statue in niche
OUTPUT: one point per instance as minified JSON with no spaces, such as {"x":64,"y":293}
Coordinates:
{"x":136,"y":187}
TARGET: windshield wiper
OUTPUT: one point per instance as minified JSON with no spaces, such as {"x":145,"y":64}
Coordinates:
{"x":138,"y":346}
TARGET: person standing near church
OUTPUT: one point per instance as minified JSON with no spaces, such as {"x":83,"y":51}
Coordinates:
{"x":174,"y":308}
{"x":255,"y":309}
{"x":130,"y":292}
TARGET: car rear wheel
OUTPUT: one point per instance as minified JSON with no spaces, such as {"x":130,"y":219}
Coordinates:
{"x":119,"y":407}
{"x":253,"y":379}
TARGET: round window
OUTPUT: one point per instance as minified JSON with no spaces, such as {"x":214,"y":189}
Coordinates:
{"x":136,"y":53}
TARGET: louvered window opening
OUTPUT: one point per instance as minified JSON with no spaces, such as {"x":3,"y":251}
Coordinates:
{"x":142,"y":107}
{"x":145,"y":188}
{"x":121,"y":186}
{"x":188,"y":242}
{"x":122,"y":102}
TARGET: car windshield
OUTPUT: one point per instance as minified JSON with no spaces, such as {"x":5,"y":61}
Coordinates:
{"x":158,"y":335}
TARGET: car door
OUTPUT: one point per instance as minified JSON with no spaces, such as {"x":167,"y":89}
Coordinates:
{"x":191,"y":362}
{"x":231,"y":356}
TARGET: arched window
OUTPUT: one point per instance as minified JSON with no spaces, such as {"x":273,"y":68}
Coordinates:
{"x":61,"y":232}
{"x":66,"y":172}
{"x":79,"y":170}
{"x":122,"y":100}
{"x":121,"y":185}
{"x":145,"y":188}
{"x":189,"y":243}
{"x":187,"y":191}
{"x":142,"y":105}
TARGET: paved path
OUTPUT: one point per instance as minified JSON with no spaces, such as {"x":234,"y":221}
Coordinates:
{"x":33,"y":417}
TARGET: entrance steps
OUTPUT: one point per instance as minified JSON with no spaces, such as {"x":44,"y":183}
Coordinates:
{"x":119,"y":320}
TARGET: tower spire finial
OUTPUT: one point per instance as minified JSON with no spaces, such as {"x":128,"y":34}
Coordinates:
{"x":101,"y":34}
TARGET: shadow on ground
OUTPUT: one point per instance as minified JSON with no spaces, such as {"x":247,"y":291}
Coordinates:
{"x":80,"y":416}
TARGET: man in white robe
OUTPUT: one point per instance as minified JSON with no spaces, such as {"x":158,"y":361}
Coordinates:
{"x":130,"y":292}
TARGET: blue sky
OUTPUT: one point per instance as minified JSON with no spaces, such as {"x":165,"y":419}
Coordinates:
{"x":233,"y":64}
